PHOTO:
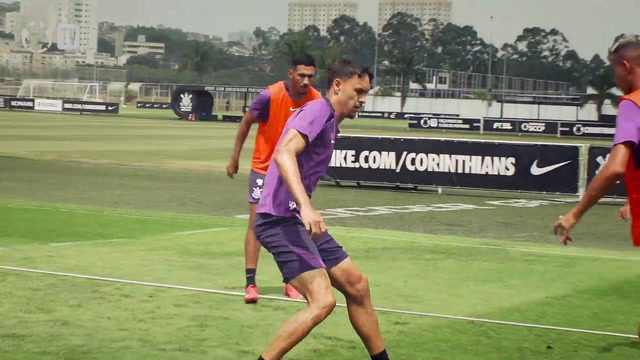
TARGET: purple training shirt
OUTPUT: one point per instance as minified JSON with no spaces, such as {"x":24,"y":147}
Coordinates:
{"x":317,"y":121}
{"x":628,"y":126}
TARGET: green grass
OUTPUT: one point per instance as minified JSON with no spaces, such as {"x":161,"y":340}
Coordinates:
{"x":151,"y":182}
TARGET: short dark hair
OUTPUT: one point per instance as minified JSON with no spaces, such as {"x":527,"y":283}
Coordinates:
{"x":346,"y":69}
{"x":621,"y":50}
{"x":302,"y":59}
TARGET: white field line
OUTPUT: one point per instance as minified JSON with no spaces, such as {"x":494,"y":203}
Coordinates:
{"x":395,"y":311}
{"x":117,"y":240}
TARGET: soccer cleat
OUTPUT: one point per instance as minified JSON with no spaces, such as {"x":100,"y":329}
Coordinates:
{"x":292,"y":293}
{"x":251,"y":294}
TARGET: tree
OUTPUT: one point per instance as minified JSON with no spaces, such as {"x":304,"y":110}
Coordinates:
{"x":199,"y":59}
{"x":106,"y":46}
{"x":541,"y":54}
{"x":403,"y":60}
{"x":602,"y":83}
{"x":148,"y":60}
{"x":358,"y":41}
{"x":9,"y":7}
{"x":459,"y":48}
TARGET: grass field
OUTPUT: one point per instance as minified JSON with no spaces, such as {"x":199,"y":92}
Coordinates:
{"x":137,"y":207}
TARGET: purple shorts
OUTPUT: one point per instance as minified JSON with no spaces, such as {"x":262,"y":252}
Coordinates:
{"x":293,"y":249}
{"x":256,"y":182}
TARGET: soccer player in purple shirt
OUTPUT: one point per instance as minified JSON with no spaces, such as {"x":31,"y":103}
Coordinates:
{"x":295,"y":234}
{"x":625,"y":59}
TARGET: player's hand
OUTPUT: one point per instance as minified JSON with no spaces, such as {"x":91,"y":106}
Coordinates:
{"x":625,"y":212}
{"x":313,"y":221}
{"x":232,"y":167}
{"x":563,"y":226}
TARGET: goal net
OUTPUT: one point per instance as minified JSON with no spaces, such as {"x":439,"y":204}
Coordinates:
{"x":61,"y":90}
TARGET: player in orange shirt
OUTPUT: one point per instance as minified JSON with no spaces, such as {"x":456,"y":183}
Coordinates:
{"x":271,"y":110}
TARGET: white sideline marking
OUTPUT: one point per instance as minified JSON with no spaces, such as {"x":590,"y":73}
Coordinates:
{"x":116,"y":240}
{"x":231,"y":293}
{"x":106,"y":213}
{"x":86,"y":242}
{"x":425,"y":241}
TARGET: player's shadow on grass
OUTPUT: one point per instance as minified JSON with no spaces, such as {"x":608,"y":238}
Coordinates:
{"x":634,"y":344}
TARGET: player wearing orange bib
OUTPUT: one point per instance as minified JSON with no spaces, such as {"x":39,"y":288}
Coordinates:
{"x":624,"y":160}
{"x":271,"y":110}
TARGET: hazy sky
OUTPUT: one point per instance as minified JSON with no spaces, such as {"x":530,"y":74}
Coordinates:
{"x":590,"y":25}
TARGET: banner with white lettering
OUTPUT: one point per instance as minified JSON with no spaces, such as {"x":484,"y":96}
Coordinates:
{"x":3,"y":102}
{"x":48,"y":105}
{"x":457,"y":163}
{"x":444,"y":123}
{"x":598,"y":157}
{"x":586,"y":129}
{"x":21,"y":104}
{"x":90,"y":107}
{"x":520,"y":126}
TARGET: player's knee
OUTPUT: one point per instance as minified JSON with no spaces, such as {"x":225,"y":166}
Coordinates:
{"x":358,"y":289}
{"x":322,"y":306}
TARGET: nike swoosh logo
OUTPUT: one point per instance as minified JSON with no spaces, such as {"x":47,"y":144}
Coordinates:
{"x":537,"y":171}
{"x":292,"y":109}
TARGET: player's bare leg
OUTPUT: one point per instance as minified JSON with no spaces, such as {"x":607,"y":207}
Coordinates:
{"x":315,"y":286}
{"x":251,"y":256}
{"x":355,"y":286}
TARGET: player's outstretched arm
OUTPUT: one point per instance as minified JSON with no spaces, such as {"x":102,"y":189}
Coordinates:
{"x":285,"y":157}
{"x":601,"y":185}
{"x":243,"y":131}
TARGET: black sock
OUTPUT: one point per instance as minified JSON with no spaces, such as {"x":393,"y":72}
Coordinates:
{"x":382,"y":356}
{"x":251,"y":277}
{"x":260,"y":358}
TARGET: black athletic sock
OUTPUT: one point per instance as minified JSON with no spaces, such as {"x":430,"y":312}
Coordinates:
{"x":251,"y":277}
{"x":382,"y":356}
{"x":260,"y":358}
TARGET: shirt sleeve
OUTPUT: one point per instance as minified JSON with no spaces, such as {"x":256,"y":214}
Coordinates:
{"x":311,"y":119}
{"x":261,"y":105}
{"x":627,"y":123}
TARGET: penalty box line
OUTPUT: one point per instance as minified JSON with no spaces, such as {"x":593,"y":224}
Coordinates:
{"x":278,"y":298}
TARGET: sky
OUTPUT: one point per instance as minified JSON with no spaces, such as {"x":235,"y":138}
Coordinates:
{"x":590,"y":25}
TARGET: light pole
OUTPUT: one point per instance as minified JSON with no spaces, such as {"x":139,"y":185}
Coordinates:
{"x":490,"y":53}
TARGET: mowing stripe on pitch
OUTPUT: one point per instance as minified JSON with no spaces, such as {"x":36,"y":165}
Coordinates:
{"x":118,"y":240}
{"x":112,"y":214}
{"x":393,"y":311}
{"x":507,"y":248}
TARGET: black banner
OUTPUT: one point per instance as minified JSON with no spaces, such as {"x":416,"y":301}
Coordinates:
{"x":90,"y":107}
{"x":457,"y":163}
{"x":153,"y":105}
{"x":500,"y":125}
{"x":538,"y":127}
{"x":598,"y":157}
{"x":521,"y":126}
{"x":397,"y":115}
{"x":587,"y":129}
{"x":21,"y":104}
{"x":445,"y":123}
{"x":232,"y":118}
{"x":4,"y":102}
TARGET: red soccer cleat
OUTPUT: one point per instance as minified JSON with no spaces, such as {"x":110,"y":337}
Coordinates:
{"x":292,"y":293}
{"x":251,"y":295}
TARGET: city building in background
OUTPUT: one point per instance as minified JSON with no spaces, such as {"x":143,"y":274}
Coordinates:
{"x":320,"y":13}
